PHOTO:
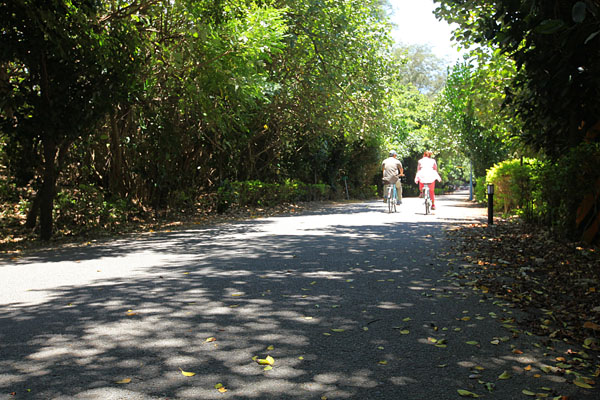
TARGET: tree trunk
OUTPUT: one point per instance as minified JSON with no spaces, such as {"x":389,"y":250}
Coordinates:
{"x":34,"y":211}
{"x":115,"y":179}
{"x":48,"y":190}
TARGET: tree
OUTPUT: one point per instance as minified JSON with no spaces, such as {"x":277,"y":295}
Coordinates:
{"x":62,"y":68}
{"x":553,"y":45}
{"x":421,"y":68}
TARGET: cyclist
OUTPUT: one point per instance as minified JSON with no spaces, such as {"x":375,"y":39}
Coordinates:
{"x":427,"y":174}
{"x":392,"y":170}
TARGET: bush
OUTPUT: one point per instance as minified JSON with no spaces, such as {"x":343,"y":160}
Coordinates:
{"x":85,"y":207}
{"x":512,"y":180}
{"x":261,"y":194}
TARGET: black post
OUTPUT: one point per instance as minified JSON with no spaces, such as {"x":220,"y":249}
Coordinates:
{"x":490,"y":193}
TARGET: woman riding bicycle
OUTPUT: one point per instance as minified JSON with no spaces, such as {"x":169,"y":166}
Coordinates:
{"x":427,"y":175}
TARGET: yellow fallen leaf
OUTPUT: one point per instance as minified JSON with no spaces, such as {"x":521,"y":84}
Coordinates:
{"x":266,"y":361}
{"x":472,"y":342}
{"x":126,"y":380}
{"x":528,"y":368}
{"x":504,"y":375}
{"x":338,"y":330}
{"x":466,"y":393}
{"x":210,"y":339}
{"x":271,"y":347}
{"x":237,"y":294}
{"x":581,"y":383}
{"x":383,"y":362}
{"x":268,"y":368}
{"x":527,"y":392}
{"x":300,"y":358}
{"x":186,"y":373}
{"x":404,"y":331}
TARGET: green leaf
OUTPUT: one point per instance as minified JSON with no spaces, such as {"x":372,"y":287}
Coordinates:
{"x":466,"y":393}
{"x":549,"y":26}
{"x":592,"y":36}
{"x":505,"y":375}
{"x":578,"y":12}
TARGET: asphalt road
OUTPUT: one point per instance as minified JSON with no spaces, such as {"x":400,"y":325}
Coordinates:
{"x":350,"y":301}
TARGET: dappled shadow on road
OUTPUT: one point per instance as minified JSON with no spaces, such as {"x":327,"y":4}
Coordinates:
{"x":350,"y":312}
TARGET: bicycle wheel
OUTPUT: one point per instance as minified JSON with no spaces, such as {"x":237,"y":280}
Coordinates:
{"x":390,"y":199}
{"x":427,"y":201}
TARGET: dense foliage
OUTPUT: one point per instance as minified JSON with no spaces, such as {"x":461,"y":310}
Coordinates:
{"x":551,"y":98}
{"x":113,"y":109}
{"x":153,"y":104}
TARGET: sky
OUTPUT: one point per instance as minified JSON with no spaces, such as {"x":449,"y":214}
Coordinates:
{"x":416,"y":24}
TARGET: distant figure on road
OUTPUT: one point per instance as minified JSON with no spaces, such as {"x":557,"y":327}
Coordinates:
{"x":427,"y":174}
{"x":392,"y":171}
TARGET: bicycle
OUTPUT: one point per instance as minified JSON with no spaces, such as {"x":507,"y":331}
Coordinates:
{"x":392,"y":195}
{"x":427,"y":198}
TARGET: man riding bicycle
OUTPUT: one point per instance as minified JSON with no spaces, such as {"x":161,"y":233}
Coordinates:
{"x":392,"y":170}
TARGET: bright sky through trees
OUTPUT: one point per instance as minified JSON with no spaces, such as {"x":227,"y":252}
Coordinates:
{"x":416,"y":24}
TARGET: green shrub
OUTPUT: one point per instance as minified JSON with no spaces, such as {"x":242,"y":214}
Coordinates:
{"x":261,"y":194}
{"x":85,"y":208}
{"x":480,"y":190}
{"x":512,"y":180}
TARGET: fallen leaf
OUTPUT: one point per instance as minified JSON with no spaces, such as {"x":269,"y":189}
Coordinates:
{"x":504,"y":375}
{"x":466,"y":393}
{"x":186,"y":373}
{"x":268,"y":368}
{"x":266,"y":361}
{"x":338,"y":330}
{"x":271,"y":347}
{"x":528,"y":368}
{"x":527,"y":392}
{"x":210,"y":339}
{"x":472,"y":342}
{"x":581,"y":383}
{"x":591,"y":325}
{"x":126,"y":380}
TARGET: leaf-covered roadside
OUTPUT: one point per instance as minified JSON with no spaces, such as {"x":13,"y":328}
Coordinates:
{"x":555,"y":283}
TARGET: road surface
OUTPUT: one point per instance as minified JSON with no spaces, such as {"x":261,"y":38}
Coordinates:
{"x":350,"y":302}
